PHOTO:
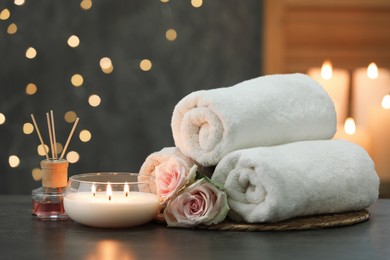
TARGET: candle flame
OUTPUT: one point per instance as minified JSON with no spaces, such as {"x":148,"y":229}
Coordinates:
{"x":93,"y":189}
{"x":126,"y":189}
{"x":350,"y":126}
{"x":372,"y":71}
{"x":326,"y":70}
{"x":386,"y":102}
{"x":109,"y":191}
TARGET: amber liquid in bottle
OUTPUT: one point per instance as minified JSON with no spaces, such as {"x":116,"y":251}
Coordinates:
{"x":47,"y":201}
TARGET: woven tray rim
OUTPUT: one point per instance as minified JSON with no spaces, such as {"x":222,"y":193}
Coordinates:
{"x":299,"y":223}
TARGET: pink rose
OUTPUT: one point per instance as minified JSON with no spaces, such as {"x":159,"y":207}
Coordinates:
{"x":172,"y":176}
{"x":200,"y":203}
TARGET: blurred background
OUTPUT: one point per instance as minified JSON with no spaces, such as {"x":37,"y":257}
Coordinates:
{"x":121,"y":67}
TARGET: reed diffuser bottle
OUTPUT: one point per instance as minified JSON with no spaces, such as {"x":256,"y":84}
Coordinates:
{"x":47,"y":201}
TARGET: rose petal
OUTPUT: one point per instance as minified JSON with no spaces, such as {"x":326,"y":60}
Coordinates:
{"x":171,"y":176}
{"x":200,"y":203}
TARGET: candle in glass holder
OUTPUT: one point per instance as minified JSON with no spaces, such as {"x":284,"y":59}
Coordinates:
{"x":110,"y":200}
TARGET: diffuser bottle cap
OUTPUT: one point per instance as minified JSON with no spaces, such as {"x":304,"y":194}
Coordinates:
{"x":54,"y":173}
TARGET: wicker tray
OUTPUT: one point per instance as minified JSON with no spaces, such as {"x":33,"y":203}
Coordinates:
{"x":301,"y":223}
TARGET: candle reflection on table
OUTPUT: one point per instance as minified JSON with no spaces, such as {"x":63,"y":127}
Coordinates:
{"x":110,"y":249}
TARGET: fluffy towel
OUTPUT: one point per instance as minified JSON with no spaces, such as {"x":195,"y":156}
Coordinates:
{"x":264,"y":111}
{"x":268,"y":184}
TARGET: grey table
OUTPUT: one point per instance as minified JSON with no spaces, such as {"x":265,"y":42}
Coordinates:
{"x":24,"y":237}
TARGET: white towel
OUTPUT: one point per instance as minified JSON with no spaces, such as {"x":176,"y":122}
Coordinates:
{"x":269,"y":184}
{"x":264,"y":111}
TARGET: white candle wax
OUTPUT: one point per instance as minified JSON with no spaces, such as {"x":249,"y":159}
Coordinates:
{"x":337,"y":87}
{"x":368,"y":93}
{"x":121,"y":211}
{"x":379,"y":127}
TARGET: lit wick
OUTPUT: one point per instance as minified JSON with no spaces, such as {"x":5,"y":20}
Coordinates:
{"x":109,"y":191}
{"x":126,"y":189}
{"x":93,"y":189}
{"x":327,"y":70}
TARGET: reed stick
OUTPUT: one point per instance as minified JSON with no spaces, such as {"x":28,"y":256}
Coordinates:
{"x":70,"y":137}
{"x":54,"y":134}
{"x":50,"y":134}
{"x":39,"y":136}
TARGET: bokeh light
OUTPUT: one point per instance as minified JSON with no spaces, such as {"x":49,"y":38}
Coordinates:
{"x":4,"y":14}
{"x":72,"y":156}
{"x":196,"y":3}
{"x":106,"y":65}
{"x":12,"y":28}
{"x":31,"y":53}
{"x":36,"y":174}
{"x":85,"y":136}
{"x":31,"y":89}
{"x":73,"y":41}
{"x":19,"y":2}
{"x":70,"y":116}
{"x":171,"y":35}
{"x":2,"y":118}
{"x":28,"y":128}
{"x":41,"y":150}
{"x":145,"y":65}
{"x":86,"y":4}
{"x":59,"y":147}
{"x":77,"y":80}
{"x":94,"y":100}
{"x":14,"y":161}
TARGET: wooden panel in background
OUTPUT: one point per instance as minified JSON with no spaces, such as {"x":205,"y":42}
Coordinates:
{"x":301,"y":34}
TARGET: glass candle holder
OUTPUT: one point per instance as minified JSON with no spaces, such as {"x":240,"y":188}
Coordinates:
{"x":111,"y":199}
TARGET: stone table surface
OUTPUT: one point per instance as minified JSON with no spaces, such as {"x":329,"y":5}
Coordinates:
{"x":22,"y":236}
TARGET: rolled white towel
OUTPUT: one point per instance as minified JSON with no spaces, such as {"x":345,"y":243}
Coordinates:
{"x":269,"y":184}
{"x":264,"y":111}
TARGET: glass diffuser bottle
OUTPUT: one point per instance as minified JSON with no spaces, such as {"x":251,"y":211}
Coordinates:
{"x":47,"y":201}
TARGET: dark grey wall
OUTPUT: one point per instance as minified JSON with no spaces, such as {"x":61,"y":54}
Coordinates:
{"x":218,"y":44}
